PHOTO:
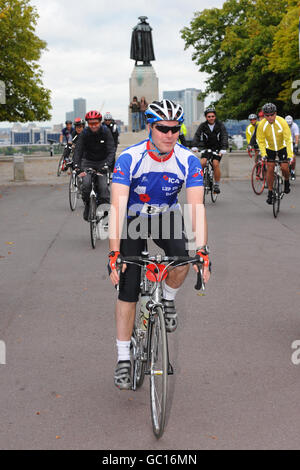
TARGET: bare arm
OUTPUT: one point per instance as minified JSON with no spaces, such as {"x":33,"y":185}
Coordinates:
{"x":197,"y":214}
{"x":119,"y":199}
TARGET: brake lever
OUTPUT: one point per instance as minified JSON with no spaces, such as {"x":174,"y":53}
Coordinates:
{"x":200,"y":284}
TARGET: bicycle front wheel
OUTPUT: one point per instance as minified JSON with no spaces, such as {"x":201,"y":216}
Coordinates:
{"x":258,"y":178}
{"x":93,"y":221}
{"x":158,"y":371}
{"x":73,"y":192}
{"x":276,"y":195}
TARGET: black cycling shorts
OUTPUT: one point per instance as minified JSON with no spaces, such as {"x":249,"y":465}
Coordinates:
{"x":208,"y":155}
{"x":167,"y":232}
{"x":271,"y":154}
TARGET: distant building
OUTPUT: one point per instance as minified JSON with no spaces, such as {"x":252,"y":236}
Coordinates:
{"x":70,"y":116}
{"x":79,"y":108}
{"x":188,"y":98}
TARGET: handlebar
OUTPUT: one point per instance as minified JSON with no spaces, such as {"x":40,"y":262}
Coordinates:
{"x":174,"y":261}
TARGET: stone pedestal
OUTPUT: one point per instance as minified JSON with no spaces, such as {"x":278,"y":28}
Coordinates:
{"x":19,"y":171}
{"x":143,"y":82}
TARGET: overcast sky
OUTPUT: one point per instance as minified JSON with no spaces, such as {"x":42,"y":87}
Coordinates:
{"x":89,"y":48}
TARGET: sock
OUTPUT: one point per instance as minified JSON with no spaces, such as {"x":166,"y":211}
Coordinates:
{"x":168,"y":292}
{"x":123,"y":350}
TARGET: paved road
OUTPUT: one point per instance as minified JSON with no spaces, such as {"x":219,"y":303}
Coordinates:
{"x":235,"y":386}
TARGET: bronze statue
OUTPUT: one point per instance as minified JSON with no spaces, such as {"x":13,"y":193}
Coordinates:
{"x":141,"y":43}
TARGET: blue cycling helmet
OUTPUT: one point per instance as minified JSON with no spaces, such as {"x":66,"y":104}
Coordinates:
{"x":164,"y":110}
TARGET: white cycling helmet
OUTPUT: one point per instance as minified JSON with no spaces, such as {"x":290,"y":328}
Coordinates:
{"x":252,"y":116}
{"x":108,"y":117}
{"x":289,"y":120}
{"x":164,"y":110}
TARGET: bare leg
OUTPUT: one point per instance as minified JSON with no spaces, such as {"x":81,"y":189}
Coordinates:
{"x":125,"y":315}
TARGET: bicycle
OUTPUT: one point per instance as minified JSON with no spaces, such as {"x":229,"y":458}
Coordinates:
{"x":51,"y":142}
{"x":74,"y":188}
{"x":208,"y":176}
{"x":149,"y":341}
{"x":259,"y":176}
{"x":277,"y":192}
{"x":62,"y":164}
{"x":98,"y":227}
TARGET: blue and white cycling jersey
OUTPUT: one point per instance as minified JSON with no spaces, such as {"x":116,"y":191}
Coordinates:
{"x":155,"y":184}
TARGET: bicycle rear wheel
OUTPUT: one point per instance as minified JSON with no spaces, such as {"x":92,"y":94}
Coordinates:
{"x":276,"y":195}
{"x":258,"y":178}
{"x":158,"y":352}
{"x":73,"y":191}
{"x":93,"y":221}
{"x":59,"y":168}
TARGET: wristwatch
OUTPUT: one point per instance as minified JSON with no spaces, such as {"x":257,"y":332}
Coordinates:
{"x":204,"y":249}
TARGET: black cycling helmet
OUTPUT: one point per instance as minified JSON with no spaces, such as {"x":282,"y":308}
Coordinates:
{"x":69,"y":122}
{"x":210,"y":110}
{"x":269,"y":108}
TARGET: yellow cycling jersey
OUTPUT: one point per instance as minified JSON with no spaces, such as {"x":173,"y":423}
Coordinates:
{"x":249,"y":132}
{"x":275,"y":136}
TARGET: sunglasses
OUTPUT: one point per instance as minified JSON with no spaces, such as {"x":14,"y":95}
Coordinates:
{"x":268,"y":115}
{"x":166,"y":129}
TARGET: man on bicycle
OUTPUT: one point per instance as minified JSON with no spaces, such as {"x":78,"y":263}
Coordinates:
{"x":112,"y":126}
{"x":295,"y":138}
{"x":211,"y":135}
{"x":79,"y":125}
{"x":94,"y":148}
{"x":146,"y":182}
{"x":66,"y":133}
{"x":250,"y":129}
{"x":274,"y":137}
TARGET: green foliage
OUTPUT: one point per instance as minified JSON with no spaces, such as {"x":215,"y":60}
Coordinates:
{"x":20,"y":51}
{"x":236,"y":45}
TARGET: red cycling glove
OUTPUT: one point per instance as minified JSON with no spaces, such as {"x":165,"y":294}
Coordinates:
{"x":113,"y":256}
{"x":204,"y":256}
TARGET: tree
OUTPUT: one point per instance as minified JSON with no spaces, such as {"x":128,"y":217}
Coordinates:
{"x":20,"y":51}
{"x":233,"y":45}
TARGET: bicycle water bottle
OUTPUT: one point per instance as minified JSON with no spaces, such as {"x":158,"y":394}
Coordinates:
{"x":144,"y":312}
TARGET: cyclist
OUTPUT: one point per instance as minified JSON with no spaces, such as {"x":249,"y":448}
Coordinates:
{"x":66,"y":133}
{"x":183,"y":134}
{"x":94,"y":148}
{"x":253,"y":142}
{"x":110,"y":123}
{"x":212,"y":135}
{"x":147,"y":179}
{"x":274,"y":135}
{"x":295,"y":137}
{"x":250,"y":129}
{"x":79,"y":126}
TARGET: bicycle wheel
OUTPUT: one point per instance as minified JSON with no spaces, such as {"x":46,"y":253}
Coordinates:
{"x":59,"y":168}
{"x":73,"y":191}
{"x":158,"y":352}
{"x":213,"y":195}
{"x":258,"y":178}
{"x":276,"y":195}
{"x":138,"y":341}
{"x":93,"y":221}
{"x":206,"y":184}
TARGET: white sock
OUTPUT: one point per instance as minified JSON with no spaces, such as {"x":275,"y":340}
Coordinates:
{"x":123,"y":350}
{"x":168,"y":292}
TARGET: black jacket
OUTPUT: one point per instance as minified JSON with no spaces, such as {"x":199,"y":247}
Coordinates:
{"x":95,"y":147}
{"x":217,"y":139}
{"x":114,"y":131}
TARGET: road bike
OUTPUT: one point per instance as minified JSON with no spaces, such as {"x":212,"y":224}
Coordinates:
{"x":97,"y":218}
{"x":74,"y":189}
{"x":208,"y":176}
{"x":277,"y":192}
{"x":64,"y":159}
{"x":259,"y":176}
{"x":149,"y":341}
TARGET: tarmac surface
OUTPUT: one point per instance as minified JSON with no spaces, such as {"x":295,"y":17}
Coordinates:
{"x":237,"y":377}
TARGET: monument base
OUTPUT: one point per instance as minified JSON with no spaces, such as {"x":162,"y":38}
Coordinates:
{"x":143,"y":82}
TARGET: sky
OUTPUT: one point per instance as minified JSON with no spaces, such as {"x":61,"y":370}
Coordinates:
{"x":88,"y":50}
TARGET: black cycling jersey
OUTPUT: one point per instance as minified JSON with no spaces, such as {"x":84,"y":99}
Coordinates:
{"x":216,"y":139}
{"x":95,"y":147}
{"x":114,"y":131}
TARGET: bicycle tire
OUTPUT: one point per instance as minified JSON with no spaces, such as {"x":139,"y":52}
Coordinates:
{"x":258,"y":178}
{"x":138,"y":364}
{"x":93,"y":221}
{"x":213,"y":195}
{"x":73,"y":192}
{"x":158,"y":360}
{"x":59,"y":168}
{"x":206,"y":184}
{"x":276,"y":195}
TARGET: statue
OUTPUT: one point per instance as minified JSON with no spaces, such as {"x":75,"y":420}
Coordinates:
{"x":141,"y":42}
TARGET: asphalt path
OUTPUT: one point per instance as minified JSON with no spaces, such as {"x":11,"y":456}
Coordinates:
{"x":235,"y":384}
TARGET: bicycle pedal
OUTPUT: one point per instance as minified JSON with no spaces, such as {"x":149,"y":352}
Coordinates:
{"x":170,"y":369}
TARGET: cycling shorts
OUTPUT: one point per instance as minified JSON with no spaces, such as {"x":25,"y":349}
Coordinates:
{"x":167,"y":232}
{"x":208,"y":155}
{"x":282,"y":154}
